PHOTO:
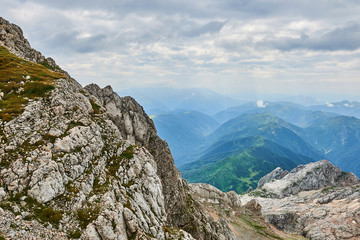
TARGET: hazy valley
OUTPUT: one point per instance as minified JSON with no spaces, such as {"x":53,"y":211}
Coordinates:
{"x":234,"y":148}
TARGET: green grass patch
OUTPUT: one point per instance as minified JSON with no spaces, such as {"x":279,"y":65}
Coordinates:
{"x":328,"y":189}
{"x":74,"y":234}
{"x":71,"y":188}
{"x":47,"y":65}
{"x":36,"y":89}
{"x":4,"y":164}
{"x":16,"y":88}
{"x":48,"y":215}
{"x":95,"y":107}
{"x":87,"y":215}
{"x":115,"y":162}
{"x":258,"y":228}
{"x":40,"y":212}
{"x":6,"y":206}
{"x":100,"y":188}
{"x":49,"y":138}
{"x":128,"y":153}
{"x":262,"y":192}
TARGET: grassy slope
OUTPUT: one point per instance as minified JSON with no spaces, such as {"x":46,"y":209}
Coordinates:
{"x":238,"y":165}
{"x":16,"y":88}
{"x":269,"y":127}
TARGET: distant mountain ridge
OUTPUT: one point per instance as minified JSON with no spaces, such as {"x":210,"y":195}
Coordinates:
{"x":245,"y":148}
{"x":238,"y":153}
{"x":293,"y":113}
{"x":339,"y":140}
{"x":347,"y":108}
{"x":239,"y":164}
{"x":191,"y":99}
{"x":184,"y":131}
{"x":268,"y":126}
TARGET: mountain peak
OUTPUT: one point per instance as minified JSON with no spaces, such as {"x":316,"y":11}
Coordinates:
{"x":312,"y":176}
{"x":317,"y":200}
{"x":85,"y":162}
{"x":11,"y":37}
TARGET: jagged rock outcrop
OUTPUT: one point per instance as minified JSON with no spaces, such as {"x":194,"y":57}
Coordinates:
{"x":137,"y":128}
{"x":312,"y":176}
{"x":244,"y":222}
{"x":11,"y":37}
{"x":324,"y":202}
{"x":211,"y":194}
{"x":85,"y":163}
{"x":275,"y":174}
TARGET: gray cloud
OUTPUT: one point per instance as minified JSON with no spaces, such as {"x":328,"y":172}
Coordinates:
{"x":226,"y":45}
{"x":74,"y":41}
{"x":211,"y":27}
{"x":341,"y":38}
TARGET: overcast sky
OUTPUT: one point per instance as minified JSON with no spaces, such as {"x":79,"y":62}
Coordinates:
{"x":308,"y":47}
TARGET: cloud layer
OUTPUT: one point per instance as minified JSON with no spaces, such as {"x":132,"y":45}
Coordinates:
{"x":232,"y":46}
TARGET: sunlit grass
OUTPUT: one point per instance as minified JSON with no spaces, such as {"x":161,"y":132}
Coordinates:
{"x":20,"y":81}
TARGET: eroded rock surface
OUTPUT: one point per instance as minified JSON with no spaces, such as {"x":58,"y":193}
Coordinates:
{"x":324,"y":202}
{"x":312,"y":176}
{"x":11,"y":37}
{"x":87,"y":163}
{"x":244,"y":222}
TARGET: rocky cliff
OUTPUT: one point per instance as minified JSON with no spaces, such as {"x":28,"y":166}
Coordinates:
{"x":83,"y":162}
{"x":317,"y":200}
{"x":313,"y":176}
{"x":245,"y":221}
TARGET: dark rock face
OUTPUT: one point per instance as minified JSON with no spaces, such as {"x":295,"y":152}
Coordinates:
{"x":254,"y":206}
{"x":286,"y":222}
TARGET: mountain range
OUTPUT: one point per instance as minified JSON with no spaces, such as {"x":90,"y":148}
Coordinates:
{"x":242,"y":149}
{"x":157,"y":100}
{"x":191,"y":129}
{"x":84,"y":163}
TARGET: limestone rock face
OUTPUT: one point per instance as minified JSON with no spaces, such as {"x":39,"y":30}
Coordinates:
{"x":275,"y":174}
{"x":312,"y":176}
{"x":87,"y":163}
{"x":11,"y":37}
{"x":244,"y":222}
{"x":317,"y":200}
{"x":137,"y":128}
{"x":207,"y":193}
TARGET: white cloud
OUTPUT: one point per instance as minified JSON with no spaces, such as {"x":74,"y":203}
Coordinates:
{"x":348,"y":105}
{"x":261,"y":46}
{"x":261,"y":104}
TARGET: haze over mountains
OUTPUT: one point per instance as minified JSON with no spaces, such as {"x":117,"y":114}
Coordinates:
{"x":84,"y":163}
{"x":158,"y":100}
{"x":234,"y":147}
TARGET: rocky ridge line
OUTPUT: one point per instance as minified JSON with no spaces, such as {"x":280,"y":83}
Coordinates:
{"x":86,"y":163}
{"x":312,"y":176}
{"x":317,"y":200}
